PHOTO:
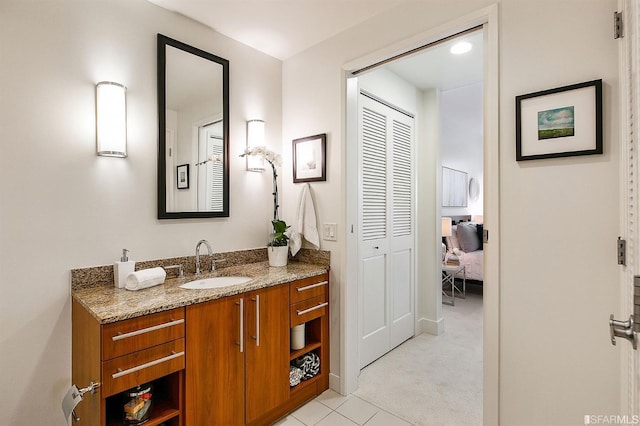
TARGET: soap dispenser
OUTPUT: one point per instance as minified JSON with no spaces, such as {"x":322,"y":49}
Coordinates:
{"x":122,"y":269}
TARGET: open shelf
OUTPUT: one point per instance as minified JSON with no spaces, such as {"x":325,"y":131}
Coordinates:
{"x":305,"y":384}
{"x":307,"y":348}
{"x":165,"y":406}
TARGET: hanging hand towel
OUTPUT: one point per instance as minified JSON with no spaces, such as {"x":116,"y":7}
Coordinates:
{"x":305,"y":226}
{"x":145,"y":278}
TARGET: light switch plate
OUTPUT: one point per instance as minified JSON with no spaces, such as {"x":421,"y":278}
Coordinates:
{"x":329,"y":232}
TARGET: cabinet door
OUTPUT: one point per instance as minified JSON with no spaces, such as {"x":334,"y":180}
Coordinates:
{"x":267,"y":350}
{"x":215,"y":363}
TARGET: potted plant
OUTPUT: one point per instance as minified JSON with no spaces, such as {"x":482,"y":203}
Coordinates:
{"x":278,"y":246}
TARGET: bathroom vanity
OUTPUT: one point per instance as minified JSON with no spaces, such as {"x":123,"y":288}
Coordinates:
{"x":214,"y":357}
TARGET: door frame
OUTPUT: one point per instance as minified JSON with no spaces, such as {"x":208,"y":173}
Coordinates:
{"x":628,"y":66}
{"x":349,"y":315}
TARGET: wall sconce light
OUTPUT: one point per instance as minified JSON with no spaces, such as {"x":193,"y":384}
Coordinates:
{"x":111,"y":119}
{"x":255,"y":137}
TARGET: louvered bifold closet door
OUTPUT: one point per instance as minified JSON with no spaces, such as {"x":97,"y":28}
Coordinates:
{"x":215,"y":178}
{"x":386,"y":224}
{"x":402,"y":240}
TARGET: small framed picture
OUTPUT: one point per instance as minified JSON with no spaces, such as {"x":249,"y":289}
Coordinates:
{"x":183,"y":176}
{"x":309,"y":159}
{"x":561,"y":122}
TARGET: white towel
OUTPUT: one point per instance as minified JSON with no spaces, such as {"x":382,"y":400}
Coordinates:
{"x":305,"y":227}
{"x":145,"y":278}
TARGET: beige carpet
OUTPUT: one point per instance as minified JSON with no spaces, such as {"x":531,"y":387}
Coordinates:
{"x":433,"y":380}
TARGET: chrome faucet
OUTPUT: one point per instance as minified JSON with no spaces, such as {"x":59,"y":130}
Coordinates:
{"x":206,"y":243}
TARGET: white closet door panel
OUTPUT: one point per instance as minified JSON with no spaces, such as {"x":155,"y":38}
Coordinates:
{"x":374,"y":175}
{"x":375,"y":306}
{"x":402,"y":185}
{"x":402,"y":310}
{"x":375,"y":329}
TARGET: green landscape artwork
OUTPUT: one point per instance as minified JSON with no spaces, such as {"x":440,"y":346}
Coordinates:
{"x":556,"y":123}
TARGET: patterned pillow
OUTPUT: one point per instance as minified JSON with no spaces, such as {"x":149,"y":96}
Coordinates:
{"x":468,"y":237}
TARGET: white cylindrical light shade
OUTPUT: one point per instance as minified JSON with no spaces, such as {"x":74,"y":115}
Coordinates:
{"x":477,"y":218}
{"x":446,"y":226}
{"x":255,"y":137}
{"x":111,"y":119}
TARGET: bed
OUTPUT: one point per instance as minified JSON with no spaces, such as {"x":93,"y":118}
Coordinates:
{"x":466,"y":243}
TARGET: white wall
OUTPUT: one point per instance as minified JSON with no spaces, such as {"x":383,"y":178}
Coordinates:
{"x":62,"y":207}
{"x":551,"y":212}
{"x":461,"y":143}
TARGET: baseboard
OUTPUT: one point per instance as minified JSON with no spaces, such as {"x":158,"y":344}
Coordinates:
{"x":430,"y":326}
{"x":334,"y":382}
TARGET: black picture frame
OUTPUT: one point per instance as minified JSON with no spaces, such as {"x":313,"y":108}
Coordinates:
{"x":561,"y":122}
{"x":309,"y":159}
{"x":182,"y":176}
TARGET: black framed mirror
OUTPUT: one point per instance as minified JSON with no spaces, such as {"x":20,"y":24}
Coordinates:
{"x":193,"y":131}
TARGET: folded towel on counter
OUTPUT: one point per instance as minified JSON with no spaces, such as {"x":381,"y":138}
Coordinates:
{"x":145,"y":278}
{"x":306,"y":226}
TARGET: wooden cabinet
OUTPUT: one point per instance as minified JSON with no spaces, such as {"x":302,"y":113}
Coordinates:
{"x":215,"y":362}
{"x":222,"y":362}
{"x":267,"y":352}
{"x":122,"y":355}
{"x":310,"y":306}
{"x":237,"y":348}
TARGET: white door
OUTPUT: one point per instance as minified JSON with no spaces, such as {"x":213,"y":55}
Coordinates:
{"x":171,"y":170}
{"x":210,"y":179}
{"x":386,"y":246}
{"x":630,"y":101}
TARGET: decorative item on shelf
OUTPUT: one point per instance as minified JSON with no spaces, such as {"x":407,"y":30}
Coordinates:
{"x":137,"y":405}
{"x":452,"y":258}
{"x":278,"y":245}
{"x":309,"y":364}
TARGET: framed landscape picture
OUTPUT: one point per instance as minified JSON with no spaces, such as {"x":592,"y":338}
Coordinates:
{"x":561,"y":122}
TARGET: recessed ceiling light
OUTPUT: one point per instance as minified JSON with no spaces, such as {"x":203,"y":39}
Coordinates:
{"x":461,"y":47}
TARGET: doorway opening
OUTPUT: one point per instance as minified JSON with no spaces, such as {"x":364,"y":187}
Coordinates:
{"x":428,"y":199}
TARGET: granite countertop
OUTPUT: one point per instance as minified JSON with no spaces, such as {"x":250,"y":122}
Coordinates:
{"x":109,"y":304}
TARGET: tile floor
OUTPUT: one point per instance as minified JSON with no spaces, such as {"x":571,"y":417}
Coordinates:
{"x":463,"y":336}
{"x":333,"y":409}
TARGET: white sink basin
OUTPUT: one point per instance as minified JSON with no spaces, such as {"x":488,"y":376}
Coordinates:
{"x":215,"y":282}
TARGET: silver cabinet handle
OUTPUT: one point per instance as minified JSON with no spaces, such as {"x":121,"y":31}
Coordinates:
{"x":309,"y":287}
{"x":257,"y":336}
{"x":121,"y":336}
{"x":241,"y":342}
{"x":318,"y":306}
{"x":146,"y":365}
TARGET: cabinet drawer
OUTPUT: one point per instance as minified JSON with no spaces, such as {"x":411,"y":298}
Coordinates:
{"x":308,"y":309}
{"x":309,"y":287}
{"x":125,"y":372}
{"x":124,"y":337}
